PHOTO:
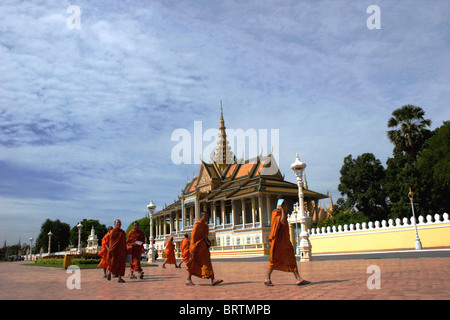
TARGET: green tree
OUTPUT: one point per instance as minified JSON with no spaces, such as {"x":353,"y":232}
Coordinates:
{"x":401,"y":174}
{"x":13,"y":250}
{"x":100,"y":231}
{"x":361,"y":182}
{"x":409,"y":129}
{"x":144,"y":225}
{"x":342,"y":214}
{"x":433,"y":167}
{"x":60,"y":236}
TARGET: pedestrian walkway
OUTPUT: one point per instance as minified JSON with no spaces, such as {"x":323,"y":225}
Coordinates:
{"x":418,"y":278}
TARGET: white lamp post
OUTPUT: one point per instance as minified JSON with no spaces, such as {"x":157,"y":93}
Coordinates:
{"x":305,"y":245}
{"x":151,"y":208}
{"x":418,"y":244}
{"x":79,"y":226}
{"x":31,"y":248}
{"x":49,"y":240}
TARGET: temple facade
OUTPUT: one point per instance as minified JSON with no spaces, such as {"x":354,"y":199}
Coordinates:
{"x":238,"y":195}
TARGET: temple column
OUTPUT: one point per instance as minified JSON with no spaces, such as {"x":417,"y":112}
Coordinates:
{"x":260,"y":202}
{"x":214,"y":213}
{"x":222,"y":207}
{"x":243,"y":212}
{"x":233,"y":209}
{"x":197,"y":208}
{"x":191,"y":216}
{"x":160,"y":226}
{"x":253,"y":211}
{"x":164,"y":221}
{"x":268,"y":208}
{"x":183,"y":215}
{"x":177,"y":222}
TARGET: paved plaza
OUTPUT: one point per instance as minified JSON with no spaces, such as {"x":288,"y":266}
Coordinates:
{"x":415,"y":278}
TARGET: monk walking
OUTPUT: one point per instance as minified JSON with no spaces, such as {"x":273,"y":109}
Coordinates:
{"x":135,"y":246}
{"x":185,"y":250}
{"x":104,"y":253}
{"x":282,"y":256}
{"x":200,"y":263}
{"x":117,"y":251}
{"x":169,"y":250}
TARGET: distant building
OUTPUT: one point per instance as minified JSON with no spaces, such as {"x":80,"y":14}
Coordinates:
{"x":239,"y":197}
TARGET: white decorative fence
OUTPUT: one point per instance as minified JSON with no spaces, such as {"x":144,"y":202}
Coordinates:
{"x":383,"y":225}
{"x":434,"y":232}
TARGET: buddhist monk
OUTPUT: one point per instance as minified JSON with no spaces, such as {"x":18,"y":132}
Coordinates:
{"x":104,"y":253}
{"x":282,"y":255}
{"x":135,"y":246}
{"x":117,"y":251}
{"x":185,"y":250}
{"x":169,"y":250}
{"x":200,"y":263}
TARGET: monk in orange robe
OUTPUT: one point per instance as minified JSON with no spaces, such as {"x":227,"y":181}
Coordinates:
{"x":185,"y":250}
{"x":282,"y":255}
{"x":169,"y":250}
{"x":135,"y":246}
{"x":117,"y":251}
{"x":200,"y":263}
{"x":104,"y":253}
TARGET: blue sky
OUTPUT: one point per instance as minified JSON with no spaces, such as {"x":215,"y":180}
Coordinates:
{"x":86,"y":115}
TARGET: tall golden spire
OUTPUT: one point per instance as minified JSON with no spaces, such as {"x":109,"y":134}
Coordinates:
{"x":223,"y":154}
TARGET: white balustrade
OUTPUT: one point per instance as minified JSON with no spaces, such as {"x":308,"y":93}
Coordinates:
{"x":405,"y":222}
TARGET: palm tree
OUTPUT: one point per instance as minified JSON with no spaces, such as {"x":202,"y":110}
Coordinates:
{"x":410,"y":129}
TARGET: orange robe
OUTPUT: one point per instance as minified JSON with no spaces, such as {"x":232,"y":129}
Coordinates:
{"x":170,"y":253}
{"x":117,"y":251}
{"x":104,"y":253}
{"x":282,"y":255}
{"x":135,"y":249}
{"x":200,"y":263}
{"x":185,"y":250}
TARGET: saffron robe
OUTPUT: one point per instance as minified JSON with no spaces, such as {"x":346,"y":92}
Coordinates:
{"x":104,"y":253}
{"x":170,"y":253}
{"x":282,"y":254}
{"x":200,"y":263}
{"x":117,"y":251}
{"x":185,"y":250}
{"x":135,"y":249}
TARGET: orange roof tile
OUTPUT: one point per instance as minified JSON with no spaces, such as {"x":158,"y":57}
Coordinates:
{"x":245,"y":169}
{"x":260,"y":167}
{"x":194,"y":184}
{"x":231,"y":170}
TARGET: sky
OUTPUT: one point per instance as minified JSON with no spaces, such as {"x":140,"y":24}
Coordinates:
{"x":90,"y":99}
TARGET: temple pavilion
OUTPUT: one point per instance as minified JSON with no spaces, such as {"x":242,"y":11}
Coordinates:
{"x":239,"y":196}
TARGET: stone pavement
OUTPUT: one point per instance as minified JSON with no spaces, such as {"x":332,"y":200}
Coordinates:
{"x":418,"y":278}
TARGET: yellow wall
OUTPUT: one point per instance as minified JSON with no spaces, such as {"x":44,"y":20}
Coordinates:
{"x":431,"y":236}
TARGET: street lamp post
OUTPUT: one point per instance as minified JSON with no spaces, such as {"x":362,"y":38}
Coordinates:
{"x":49,"y":240}
{"x":418,"y":244}
{"x":151,"y":208}
{"x":305,"y":245}
{"x":31,"y":248}
{"x":79,"y":226}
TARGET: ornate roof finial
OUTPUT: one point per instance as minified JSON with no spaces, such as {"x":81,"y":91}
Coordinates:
{"x":223,"y":154}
